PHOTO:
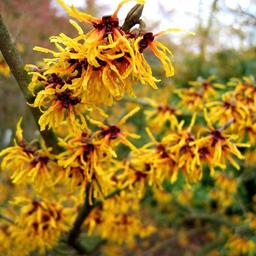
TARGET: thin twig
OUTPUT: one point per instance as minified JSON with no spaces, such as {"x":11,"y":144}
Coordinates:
{"x":227,"y":124}
{"x":110,"y":195}
{"x":83,"y":214}
{"x":7,"y":218}
{"x":15,"y":62}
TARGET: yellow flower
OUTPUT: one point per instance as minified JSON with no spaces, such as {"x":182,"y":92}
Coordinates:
{"x":112,"y":134}
{"x":97,"y":67}
{"x":6,"y":246}
{"x":222,"y":111}
{"x":40,"y":223}
{"x":119,"y":220}
{"x":100,"y":64}
{"x":162,"y":160}
{"x":217,"y":147}
{"x":159,"y":50}
{"x":85,"y":161}
{"x":99,"y":74}
{"x":191,"y":99}
{"x":180,"y":144}
{"x":107,"y":25}
{"x":4,"y":68}
{"x":251,"y":220}
{"x":134,"y":174}
{"x":207,"y":87}
{"x":239,"y":245}
{"x":151,"y":164}
{"x":194,"y":98}
{"x":161,"y":114}
{"x":246,"y":128}
{"x":244,"y":90}
{"x":140,"y":44}
{"x":29,"y":163}
{"x":58,"y":105}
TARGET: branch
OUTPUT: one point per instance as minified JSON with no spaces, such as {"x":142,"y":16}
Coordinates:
{"x":245,"y":13}
{"x":83,"y":214}
{"x":15,"y":62}
{"x":110,"y":195}
{"x":7,"y":218}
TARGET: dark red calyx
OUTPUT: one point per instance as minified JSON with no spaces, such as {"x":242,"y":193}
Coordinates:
{"x":162,"y":150}
{"x":41,"y":159}
{"x":67,"y":99}
{"x":80,"y":66}
{"x":144,"y":42}
{"x":203,"y":152}
{"x":108,"y":23}
{"x":166,"y":108}
{"x":112,"y":131}
{"x":216,"y":136}
{"x":55,"y":80}
{"x":88,"y":148}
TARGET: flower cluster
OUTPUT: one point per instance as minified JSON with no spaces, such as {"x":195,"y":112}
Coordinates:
{"x":238,"y":105}
{"x":40,"y":223}
{"x":180,"y":151}
{"x":101,"y":171}
{"x":239,"y":245}
{"x":119,"y":220}
{"x":93,"y":69}
{"x":89,"y":157}
{"x":195,"y":97}
{"x":33,"y":163}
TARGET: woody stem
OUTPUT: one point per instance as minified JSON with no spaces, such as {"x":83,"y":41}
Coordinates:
{"x":84,"y":212}
{"x":15,"y":62}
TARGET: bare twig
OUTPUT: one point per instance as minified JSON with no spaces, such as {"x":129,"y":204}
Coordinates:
{"x":82,"y":215}
{"x":7,"y":218}
{"x":227,"y":124}
{"x":245,"y":13}
{"x":84,"y":212}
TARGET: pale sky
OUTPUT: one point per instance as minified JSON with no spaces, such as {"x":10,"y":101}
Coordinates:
{"x":184,"y":13}
{"x":184,"y":10}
